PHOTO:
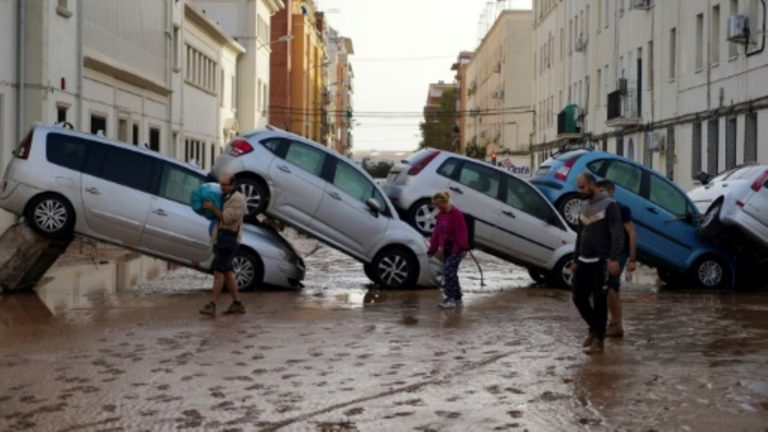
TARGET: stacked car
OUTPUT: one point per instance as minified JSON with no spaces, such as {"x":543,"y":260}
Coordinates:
{"x":513,"y":220}
{"x":666,"y":219}
{"x":65,"y":182}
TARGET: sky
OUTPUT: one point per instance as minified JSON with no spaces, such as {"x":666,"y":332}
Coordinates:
{"x":401,"y":46}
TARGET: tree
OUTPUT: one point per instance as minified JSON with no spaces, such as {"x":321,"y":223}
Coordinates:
{"x":377,"y":170}
{"x":437,"y":128}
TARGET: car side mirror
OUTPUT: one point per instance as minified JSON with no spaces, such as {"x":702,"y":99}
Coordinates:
{"x":703,"y":177}
{"x":374,"y":206}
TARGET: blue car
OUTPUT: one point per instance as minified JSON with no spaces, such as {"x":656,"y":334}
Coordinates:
{"x":665,"y":218}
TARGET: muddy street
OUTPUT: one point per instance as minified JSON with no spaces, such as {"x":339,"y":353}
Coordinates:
{"x":342,"y":356}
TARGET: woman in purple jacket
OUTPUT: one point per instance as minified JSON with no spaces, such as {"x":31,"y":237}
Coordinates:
{"x":449,"y":243}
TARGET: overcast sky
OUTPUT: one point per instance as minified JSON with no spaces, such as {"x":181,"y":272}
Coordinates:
{"x":400,"y":47}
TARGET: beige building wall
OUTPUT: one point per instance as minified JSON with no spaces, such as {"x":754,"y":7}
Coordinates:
{"x":499,"y":93}
{"x":210,"y":77}
{"x":247,"y":22}
{"x":694,"y":101}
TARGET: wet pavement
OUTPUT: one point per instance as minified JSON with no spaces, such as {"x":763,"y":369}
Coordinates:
{"x":342,"y":356}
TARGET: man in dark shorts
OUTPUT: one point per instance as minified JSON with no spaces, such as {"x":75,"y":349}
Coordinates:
{"x":628,"y":257}
{"x":226,"y":239}
{"x":598,"y":247}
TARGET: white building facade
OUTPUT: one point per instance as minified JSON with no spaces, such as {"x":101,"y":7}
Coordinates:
{"x":209,"y":93}
{"x":145,"y":72}
{"x":247,"y":22}
{"x":667,"y":84}
{"x":499,"y":94}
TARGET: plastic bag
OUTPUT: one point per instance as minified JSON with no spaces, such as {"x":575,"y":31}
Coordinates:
{"x":206,"y":191}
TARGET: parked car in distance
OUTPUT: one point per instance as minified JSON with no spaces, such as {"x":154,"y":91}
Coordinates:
{"x":331,"y":198}
{"x":513,"y":220}
{"x":737,"y":198}
{"x":665,"y":218}
{"x":65,"y":182}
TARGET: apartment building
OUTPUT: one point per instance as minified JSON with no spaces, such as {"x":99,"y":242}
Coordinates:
{"x":499,"y":94}
{"x":339,"y":91}
{"x":460,"y":67}
{"x":145,"y":72}
{"x":676,"y":86}
{"x":210,"y":89}
{"x":249,"y":23}
{"x":295,"y":98}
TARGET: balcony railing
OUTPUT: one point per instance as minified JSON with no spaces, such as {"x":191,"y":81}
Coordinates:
{"x":622,"y":109}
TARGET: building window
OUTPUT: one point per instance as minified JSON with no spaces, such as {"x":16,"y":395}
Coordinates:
{"x":714,"y":39}
{"x":201,"y":70}
{"x":650,"y":65}
{"x":699,"y":43}
{"x":733,"y":48}
{"x":607,"y":12}
{"x":61,"y":113}
{"x":233,"y":81}
{"x":598,"y":88}
{"x":696,"y":149}
{"x":750,"y":138}
{"x":98,"y":124}
{"x":586,"y":92}
{"x":176,"y":49}
{"x":713,"y":132}
{"x":672,"y":54}
{"x":135,"y":134}
{"x":730,"y":143}
{"x":154,"y":139}
{"x":263,"y":31}
{"x":670,"y":153}
{"x":122,"y":130}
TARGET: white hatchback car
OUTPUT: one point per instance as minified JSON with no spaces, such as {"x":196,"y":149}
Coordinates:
{"x":735,"y":198}
{"x":328,"y":196}
{"x":65,"y":182}
{"x":513,"y":220}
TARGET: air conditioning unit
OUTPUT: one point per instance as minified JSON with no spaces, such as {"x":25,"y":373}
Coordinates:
{"x":581,"y":44}
{"x":738,"y":28}
{"x":621,"y":85}
{"x":641,"y":4}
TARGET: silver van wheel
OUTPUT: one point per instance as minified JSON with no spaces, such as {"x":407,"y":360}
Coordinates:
{"x":50,"y":215}
{"x":255,"y":195}
{"x":395,"y":268}
{"x":248,"y":269}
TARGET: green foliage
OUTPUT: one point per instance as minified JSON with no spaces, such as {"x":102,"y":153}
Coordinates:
{"x":377,"y":170}
{"x":437,"y":128}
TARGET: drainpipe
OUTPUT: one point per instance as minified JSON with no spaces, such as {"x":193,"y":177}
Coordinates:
{"x":80,"y":65}
{"x":21,"y":30}
{"x":762,"y":46}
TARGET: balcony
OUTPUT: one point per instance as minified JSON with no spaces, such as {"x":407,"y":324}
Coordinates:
{"x":568,"y":122}
{"x":623,"y":109}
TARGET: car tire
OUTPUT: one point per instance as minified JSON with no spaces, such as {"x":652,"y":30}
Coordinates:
{"x":539,"y":276}
{"x":670,"y":278}
{"x":256,"y":195}
{"x":395,"y":268}
{"x":562,"y":275}
{"x":422,"y":216}
{"x":52,"y":216}
{"x":711,"y":272}
{"x":569,"y":207}
{"x":711,"y":226}
{"x":249,"y":270}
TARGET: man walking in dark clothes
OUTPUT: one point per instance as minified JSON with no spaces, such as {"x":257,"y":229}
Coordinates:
{"x":598,"y":246}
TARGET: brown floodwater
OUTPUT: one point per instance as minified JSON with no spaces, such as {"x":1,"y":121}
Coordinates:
{"x":340,"y":355}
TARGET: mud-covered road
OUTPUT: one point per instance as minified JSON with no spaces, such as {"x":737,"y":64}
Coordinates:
{"x":341,"y":356}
